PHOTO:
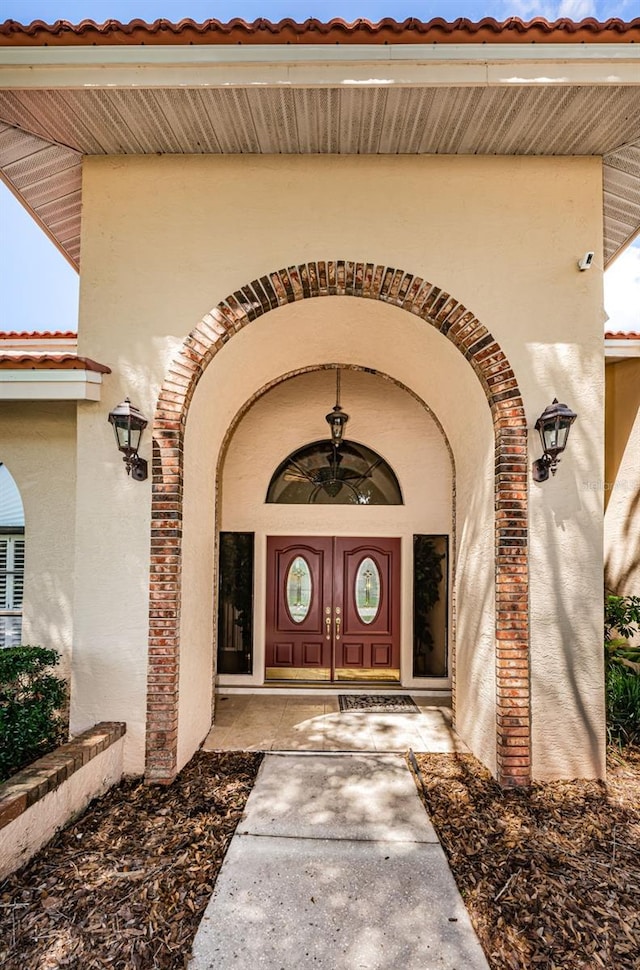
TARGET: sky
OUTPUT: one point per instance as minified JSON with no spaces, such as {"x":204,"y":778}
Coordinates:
{"x":26,"y":254}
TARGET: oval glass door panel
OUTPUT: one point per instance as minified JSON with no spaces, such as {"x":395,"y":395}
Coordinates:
{"x":299,"y":587}
{"x":367,"y":590}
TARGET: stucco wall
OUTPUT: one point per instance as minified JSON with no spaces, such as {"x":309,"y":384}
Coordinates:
{"x":165,"y":238}
{"x":197,"y":626}
{"x":39,"y":449}
{"x":33,"y":828}
{"x":622,"y":523}
{"x":111,"y":583}
{"x":622,"y":383}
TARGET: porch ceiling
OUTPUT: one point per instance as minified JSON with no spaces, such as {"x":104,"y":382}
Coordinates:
{"x":47,"y":126}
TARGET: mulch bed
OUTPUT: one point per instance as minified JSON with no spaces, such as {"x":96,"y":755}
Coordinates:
{"x":126,"y":885}
{"x":551,"y":874}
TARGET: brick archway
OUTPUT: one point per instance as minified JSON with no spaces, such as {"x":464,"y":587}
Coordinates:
{"x":459,"y":325}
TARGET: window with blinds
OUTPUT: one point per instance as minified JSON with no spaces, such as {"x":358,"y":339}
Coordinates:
{"x":11,"y":589}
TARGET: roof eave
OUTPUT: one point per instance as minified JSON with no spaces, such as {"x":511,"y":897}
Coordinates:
{"x":213,"y":32}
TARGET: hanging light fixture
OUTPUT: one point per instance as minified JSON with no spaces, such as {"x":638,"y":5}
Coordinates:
{"x":337,"y":419}
{"x":128,"y":424}
{"x":335,"y":467}
{"x":553,"y":426}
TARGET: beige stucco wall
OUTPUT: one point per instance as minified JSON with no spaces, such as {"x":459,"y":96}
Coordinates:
{"x":622,"y":386}
{"x":111,"y":602}
{"x":622,"y":519}
{"x":25,"y":835}
{"x":38,"y":446}
{"x":165,"y":238}
{"x":198,"y":617}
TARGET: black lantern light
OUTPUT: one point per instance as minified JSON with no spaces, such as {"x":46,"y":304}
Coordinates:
{"x":337,"y":419}
{"x":553,"y":426}
{"x":128,"y":425}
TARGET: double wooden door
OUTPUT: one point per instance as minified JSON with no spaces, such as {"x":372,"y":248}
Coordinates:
{"x":333,"y":608}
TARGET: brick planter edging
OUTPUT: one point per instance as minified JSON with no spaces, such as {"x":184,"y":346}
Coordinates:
{"x":28,"y":786}
{"x":461,"y":327}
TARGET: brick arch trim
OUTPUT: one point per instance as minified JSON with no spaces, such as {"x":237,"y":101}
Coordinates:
{"x":458,"y":324}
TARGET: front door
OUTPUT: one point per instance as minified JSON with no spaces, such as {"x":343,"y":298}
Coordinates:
{"x":333,"y":608}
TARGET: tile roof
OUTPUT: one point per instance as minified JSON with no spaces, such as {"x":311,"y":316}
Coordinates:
{"x":46,"y":130}
{"x":312,"y":31}
{"x":38,"y":335}
{"x":622,"y":335}
{"x":51,"y":362}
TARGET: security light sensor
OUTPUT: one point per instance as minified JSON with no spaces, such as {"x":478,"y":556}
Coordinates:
{"x":586,"y":261}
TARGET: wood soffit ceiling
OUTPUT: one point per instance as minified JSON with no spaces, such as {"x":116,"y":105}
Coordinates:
{"x":44,"y":133}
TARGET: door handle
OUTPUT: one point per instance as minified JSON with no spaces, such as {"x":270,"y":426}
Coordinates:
{"x":338,"y":622}
{"x":327,"y":621}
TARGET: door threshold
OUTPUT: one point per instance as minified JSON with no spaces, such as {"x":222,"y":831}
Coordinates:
{"x":337,"y":686}
{"x":440,"y":695}
{"x":342,"y":675}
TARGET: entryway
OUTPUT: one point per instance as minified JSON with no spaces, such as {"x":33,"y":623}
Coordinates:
{"x":286,"y":722}
{"x":333,"y":609}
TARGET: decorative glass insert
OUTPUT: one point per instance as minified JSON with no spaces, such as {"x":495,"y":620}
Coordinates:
{"x":367,"y":590}
{"x":235,"y":603}
{"x":430,"y":608}
{"x":320,"y":474}
{"x":299,"y":589}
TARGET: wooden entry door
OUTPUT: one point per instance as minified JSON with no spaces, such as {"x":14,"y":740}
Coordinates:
{"x":333,"y":608}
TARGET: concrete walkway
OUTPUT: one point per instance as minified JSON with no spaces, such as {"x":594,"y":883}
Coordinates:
{"x":335,"y":866}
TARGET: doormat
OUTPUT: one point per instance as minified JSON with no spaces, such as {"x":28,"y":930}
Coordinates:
{"x":378,"y":703}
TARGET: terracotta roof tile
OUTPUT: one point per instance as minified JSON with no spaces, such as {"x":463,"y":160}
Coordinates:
{"x":51,"y":362}
{"x":312,"y":31}
{"x":38,"y":335}
{"x":622,"y":335}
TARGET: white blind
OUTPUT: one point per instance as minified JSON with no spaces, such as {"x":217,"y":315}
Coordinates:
{"x":11,"y":589}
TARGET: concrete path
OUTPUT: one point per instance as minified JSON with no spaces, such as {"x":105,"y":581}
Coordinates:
{"x":335,"y":866}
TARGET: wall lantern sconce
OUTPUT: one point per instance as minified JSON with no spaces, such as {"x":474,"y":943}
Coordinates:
{"x":337,"y":419}
{"x":128,"y":425}
{"x":553,"y":425}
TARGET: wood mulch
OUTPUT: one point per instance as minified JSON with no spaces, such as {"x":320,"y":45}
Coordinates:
{"x":550,"y":874}
{"x":126,"y":885}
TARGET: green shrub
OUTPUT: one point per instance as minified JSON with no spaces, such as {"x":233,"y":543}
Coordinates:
{"x":621,"y":621}
{"x":623,"y":706}
{"x":31,"y":700}
{"x":621,"y":615}
{"x":622,"y":661}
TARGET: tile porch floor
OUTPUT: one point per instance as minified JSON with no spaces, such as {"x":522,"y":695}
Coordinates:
{"x":254,"y":722}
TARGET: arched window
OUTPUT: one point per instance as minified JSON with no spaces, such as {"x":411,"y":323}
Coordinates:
{"x":320,"y":474}
{"x":11,"y":560}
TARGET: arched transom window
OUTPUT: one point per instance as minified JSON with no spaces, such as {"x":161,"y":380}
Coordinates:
{"x":320,"y":474}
